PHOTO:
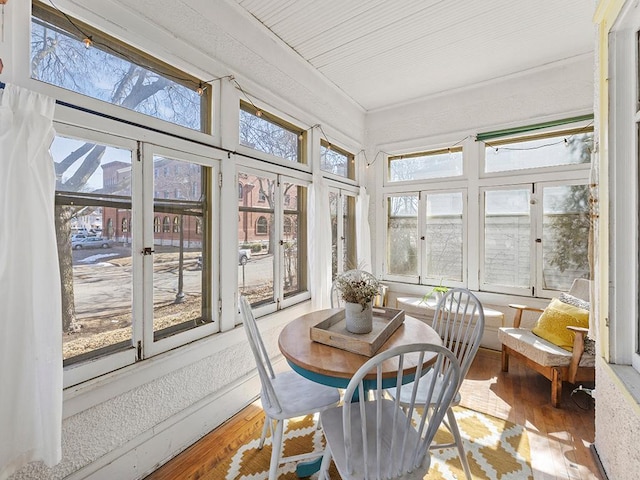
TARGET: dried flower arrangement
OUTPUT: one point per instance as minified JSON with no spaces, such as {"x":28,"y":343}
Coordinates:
{"x":357,"y":286}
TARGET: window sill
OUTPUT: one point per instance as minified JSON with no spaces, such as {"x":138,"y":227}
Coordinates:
{"x":628,"y":379}
{"x":98,"y":390}
{"x":92,"y":392}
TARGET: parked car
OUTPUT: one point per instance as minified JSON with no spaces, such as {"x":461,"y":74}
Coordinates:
{"x":79,"y":236}
{"x":91,"y":242}
{"x":244,"y":254}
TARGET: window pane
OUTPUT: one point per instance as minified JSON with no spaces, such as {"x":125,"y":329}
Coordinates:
{"x":93,"y":200}
{"x":292,"y":245}
{"x":547,"y":151}
{"x":263,"y":134}
{"x":343,"y":239}
{"x":444,"y":236}
{"x":179,"y":260}
{"x":565,"y":239}
{"x":402,"y":235}
{"x":60,"y":58}
{"x":507,"y":238}
{"x":334,"y":198}
{"x":256,"y":236}
{"x":349,"y":252}
{"x":337,"y":162}
{"x":423,"y":166}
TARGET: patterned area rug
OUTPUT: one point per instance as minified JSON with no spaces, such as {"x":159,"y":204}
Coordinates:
{"x":496,"y":449}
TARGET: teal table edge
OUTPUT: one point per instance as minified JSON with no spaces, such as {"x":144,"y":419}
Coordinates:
{"x":319,"y":378}
{"x":338,"y":382}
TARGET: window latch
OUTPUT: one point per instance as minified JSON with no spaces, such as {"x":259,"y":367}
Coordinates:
{"x":148,"y":251}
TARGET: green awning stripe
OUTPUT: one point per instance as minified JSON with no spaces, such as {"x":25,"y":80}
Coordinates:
{"x":483,"y":137}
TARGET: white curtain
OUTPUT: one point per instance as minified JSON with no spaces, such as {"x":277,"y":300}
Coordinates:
{"x":363,"y":232}
{"x":31,"y":339}
{"x":319,"y":235}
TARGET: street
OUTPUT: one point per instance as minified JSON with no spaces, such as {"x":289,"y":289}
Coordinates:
{"x":103,"y":278}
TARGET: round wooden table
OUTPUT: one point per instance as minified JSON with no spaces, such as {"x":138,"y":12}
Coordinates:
{"x":333,"y":366}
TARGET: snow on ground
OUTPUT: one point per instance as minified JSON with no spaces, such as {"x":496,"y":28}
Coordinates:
{"x":99,"y":256}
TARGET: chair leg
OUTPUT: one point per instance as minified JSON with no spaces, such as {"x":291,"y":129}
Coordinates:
{"x":453,"y":426}
{"x":505,"y":360}
{"x":267,"y":424}
{"x":556,"y":387}
{"x":276,"y":447}
{"x":324,"y":466}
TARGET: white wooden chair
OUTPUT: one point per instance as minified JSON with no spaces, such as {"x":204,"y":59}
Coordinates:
{"x":555,"y":363}
{"x":284,"y":395}
{"x":459,"y":319}
{"x":374,"y":437}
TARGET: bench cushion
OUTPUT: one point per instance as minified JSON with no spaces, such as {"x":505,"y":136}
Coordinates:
{"x":539,"y":350}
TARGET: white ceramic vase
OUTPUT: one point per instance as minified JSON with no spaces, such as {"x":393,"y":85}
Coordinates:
{"x":358,"y":320}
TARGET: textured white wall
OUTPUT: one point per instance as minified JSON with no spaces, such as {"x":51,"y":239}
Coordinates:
{"x":93,"y":433}
{"x":116,"y":431}
{"x":550,"y":92}
{"x":617,"y":423}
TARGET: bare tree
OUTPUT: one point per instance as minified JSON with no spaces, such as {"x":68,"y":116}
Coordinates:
{"x":273,"y":139}
{"x":570,"y":230}
{"x":403,"y":232}
{"x":60,"y":59}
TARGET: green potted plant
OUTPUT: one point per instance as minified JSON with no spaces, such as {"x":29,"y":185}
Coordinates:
{"x":436,"y":293}
{"x":358,"y":289}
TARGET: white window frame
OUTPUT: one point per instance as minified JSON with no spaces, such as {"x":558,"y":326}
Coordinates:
{"x":119,"y":135}
{"x":425,"y":153}
{"x":76,"y":373}
{"x":484,"y":284}
{"x":23,"y":70}
{"x":341,"y":193}
{"x":281,"y":119}
{"x":624,"y":188}
{"x":280,"y":176}
{"x":539,"y":246}
{"x":350,"y":158}
{"x":150,"y":346}
{"x":421,"y":277}
{"x":536,"y":214}
{"x":422,"y":236}
{"x":473,"y":181}
{"x":303,"y":294}
{"x":387,"y":274}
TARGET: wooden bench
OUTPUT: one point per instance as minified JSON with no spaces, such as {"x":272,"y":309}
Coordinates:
{"x":555,"y":363}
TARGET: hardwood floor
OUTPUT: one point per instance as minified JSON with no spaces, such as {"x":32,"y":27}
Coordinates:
{"x":559,"y":438}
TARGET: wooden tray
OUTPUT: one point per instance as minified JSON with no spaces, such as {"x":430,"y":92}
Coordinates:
{"x":332,"y":331}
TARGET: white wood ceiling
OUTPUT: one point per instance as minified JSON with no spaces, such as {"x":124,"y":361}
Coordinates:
{"x":386,"y":52}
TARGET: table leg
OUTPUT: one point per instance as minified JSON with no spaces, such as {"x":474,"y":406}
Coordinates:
{"x":306,"y":469}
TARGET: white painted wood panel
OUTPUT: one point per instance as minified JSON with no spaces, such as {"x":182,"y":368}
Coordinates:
{"x":381,"y":53}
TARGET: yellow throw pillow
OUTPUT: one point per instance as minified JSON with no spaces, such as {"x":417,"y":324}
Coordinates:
{"x":552,"y":324}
